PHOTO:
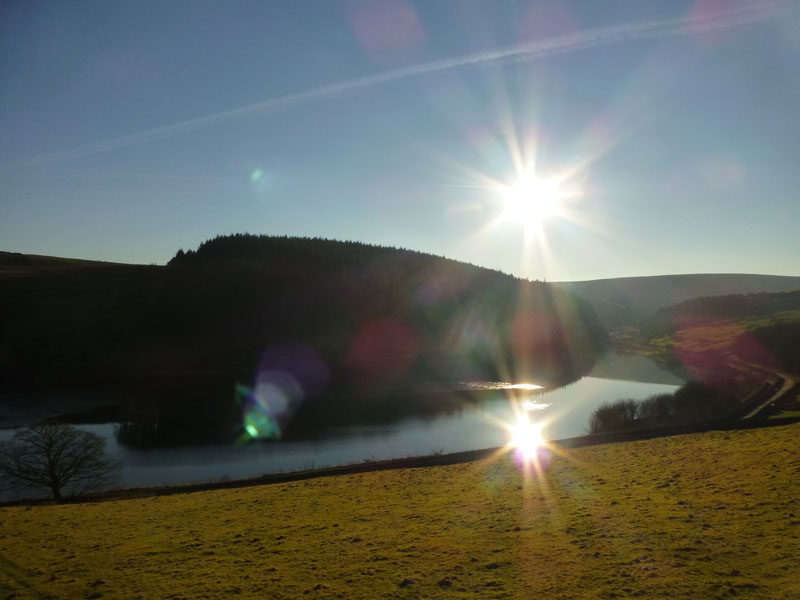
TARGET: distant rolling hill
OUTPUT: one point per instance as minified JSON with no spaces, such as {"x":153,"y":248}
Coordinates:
{"x":14,"y":264}
{"x":627,"y":300}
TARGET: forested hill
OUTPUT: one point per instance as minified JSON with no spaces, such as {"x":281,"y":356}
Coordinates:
{"x":384,"y":313}
{"x":354,"y":318}
{"x":313,"y":253}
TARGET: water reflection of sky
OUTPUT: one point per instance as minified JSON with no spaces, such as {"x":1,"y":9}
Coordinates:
{"x":567,"y":413}
{"x":564,"y":411}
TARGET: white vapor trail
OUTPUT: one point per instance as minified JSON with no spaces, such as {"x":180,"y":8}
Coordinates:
{"x":665,"y":28}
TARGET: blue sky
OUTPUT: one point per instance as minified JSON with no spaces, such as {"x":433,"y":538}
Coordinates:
{"x":130,"y":130}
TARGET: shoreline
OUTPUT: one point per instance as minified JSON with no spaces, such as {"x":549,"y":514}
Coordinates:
{"x":413,"y":462}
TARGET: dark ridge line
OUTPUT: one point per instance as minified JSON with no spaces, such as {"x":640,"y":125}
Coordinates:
{"x":413,"y":462}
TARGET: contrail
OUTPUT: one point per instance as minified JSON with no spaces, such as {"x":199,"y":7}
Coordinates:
{"x":605,"y":36}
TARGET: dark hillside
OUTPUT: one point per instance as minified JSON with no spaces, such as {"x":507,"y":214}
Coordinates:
{"x":777,"y":344}
{"x":380,"y":312}
{"x":289,"y":320}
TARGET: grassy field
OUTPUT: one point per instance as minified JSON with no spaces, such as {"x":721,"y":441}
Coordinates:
{"x":711,"y":515}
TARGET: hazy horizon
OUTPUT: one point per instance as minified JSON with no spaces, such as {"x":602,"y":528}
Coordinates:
{"x":663,"y":134}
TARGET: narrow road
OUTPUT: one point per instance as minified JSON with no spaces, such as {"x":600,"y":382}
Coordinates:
{"x":788,"y":382}
{"x":783,"y":383}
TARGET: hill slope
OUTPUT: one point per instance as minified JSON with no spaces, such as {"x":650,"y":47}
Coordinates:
{"x":742,"y":341}
{"x":624,"y":301}
{"x":710,"y":515}
{"x":300,"y":318}
{"x":14,"y":264}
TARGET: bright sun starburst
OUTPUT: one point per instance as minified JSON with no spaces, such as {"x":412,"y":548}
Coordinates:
{"x":526,"y":436}
{"x":531,"y":200}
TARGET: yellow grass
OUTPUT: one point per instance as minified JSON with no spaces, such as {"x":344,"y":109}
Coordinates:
{"x":698,"y":516}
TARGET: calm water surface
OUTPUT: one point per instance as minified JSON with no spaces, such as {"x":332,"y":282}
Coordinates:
{"x":564,"y":412}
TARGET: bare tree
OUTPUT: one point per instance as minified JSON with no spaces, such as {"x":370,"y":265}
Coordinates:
{"x":58,"y":457}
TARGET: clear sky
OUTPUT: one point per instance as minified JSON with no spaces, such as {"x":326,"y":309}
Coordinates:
{"x":651,"y":137}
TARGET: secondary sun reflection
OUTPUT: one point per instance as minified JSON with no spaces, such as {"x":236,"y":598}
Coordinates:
{"x":526,"y":436}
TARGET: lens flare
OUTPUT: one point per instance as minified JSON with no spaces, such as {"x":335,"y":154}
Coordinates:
{"x":289,"y":376}
{"x":259,"y":425}
{"x":256,"y":422}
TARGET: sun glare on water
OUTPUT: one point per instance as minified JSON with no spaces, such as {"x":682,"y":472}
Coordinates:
{"x":524,"y":386}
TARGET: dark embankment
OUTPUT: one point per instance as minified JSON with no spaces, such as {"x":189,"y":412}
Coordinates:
{"x":776,"y":344}
{"x":312,"y":331}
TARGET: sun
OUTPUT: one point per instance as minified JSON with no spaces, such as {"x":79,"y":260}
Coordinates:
{"x":531,"y":200}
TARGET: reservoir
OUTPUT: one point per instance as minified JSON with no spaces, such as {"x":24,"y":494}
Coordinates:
{"x":563,"y":413}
